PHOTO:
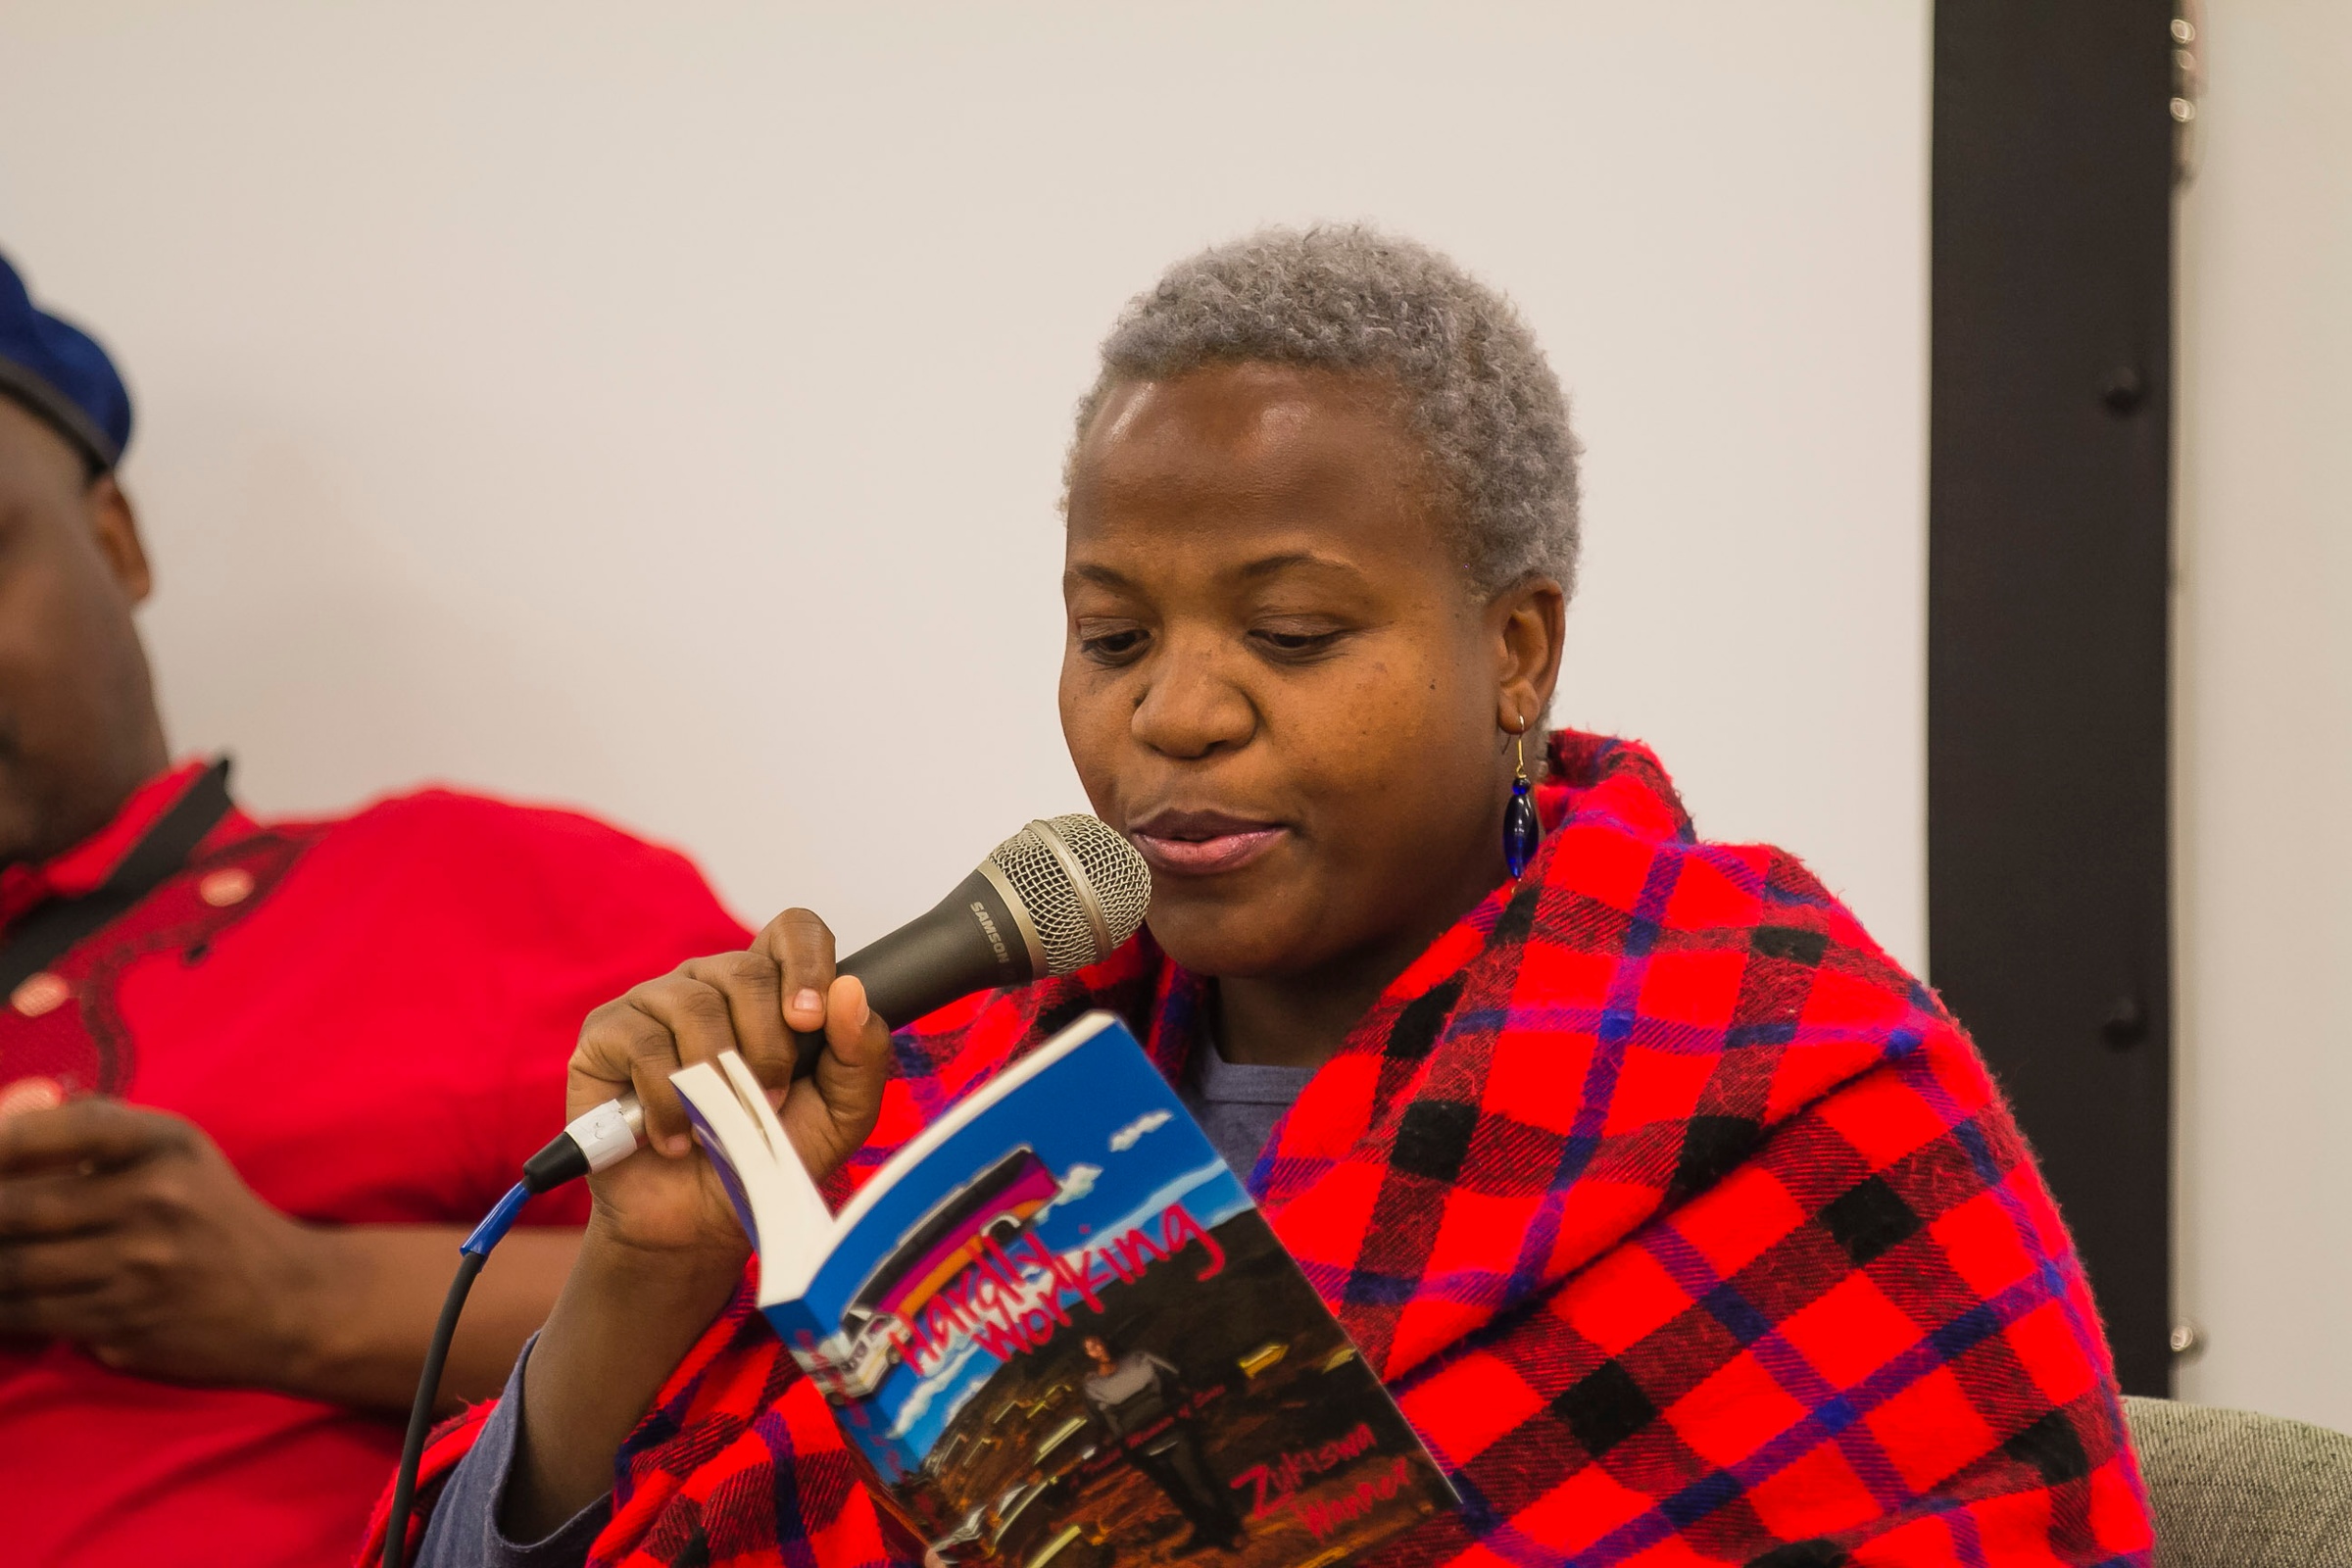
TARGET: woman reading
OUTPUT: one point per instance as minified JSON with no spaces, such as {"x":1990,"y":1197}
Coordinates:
{"x":1683,"y":1225}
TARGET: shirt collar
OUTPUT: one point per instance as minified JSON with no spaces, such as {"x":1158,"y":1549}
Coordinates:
{"x":87,"y":864}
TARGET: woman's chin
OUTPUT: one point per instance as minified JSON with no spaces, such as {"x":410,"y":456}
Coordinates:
{"x":1227,"y":943}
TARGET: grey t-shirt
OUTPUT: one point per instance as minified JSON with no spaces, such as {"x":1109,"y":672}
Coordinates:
{"x":1237,"y":1103}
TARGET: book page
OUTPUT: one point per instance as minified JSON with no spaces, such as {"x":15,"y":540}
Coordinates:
{"x":802,"y":1229}
{"x":773,"y":1199}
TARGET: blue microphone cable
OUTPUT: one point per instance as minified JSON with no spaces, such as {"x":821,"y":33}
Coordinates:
{"x":473,"y":1253}
{"x":597,"y":1140}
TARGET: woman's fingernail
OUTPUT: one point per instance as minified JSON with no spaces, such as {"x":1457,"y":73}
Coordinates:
{"x":677,"y":1144}
{"x":806,"y":1000}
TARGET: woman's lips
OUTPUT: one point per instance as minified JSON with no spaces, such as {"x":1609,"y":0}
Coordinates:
{"x":1203,"y":846}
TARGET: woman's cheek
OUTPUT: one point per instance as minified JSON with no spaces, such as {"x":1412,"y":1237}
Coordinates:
{"x":1091,"y":722}
{"x":1388,"y":726}
{"x":1097,"y":775}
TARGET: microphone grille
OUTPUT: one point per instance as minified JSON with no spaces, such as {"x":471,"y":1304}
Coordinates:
{"x":1082,"y":884}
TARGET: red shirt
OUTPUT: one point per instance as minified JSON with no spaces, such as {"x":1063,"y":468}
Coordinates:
{"x":372,"y":1017}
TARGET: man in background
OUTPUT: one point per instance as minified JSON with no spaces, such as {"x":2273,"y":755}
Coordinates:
{"x":227,"y":1208}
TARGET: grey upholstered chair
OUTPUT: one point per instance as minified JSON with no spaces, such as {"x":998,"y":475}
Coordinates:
{"x":2234,"y":1490}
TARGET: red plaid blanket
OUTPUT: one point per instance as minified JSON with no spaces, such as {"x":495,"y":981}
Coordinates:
{"x":1685,"y":1227}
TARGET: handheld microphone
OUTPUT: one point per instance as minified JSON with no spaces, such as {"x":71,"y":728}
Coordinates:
{"x":1052,"y":899}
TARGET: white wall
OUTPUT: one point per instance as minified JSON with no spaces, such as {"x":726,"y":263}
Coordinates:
{"x":2264,"y":691}
{"x":630,"y":405}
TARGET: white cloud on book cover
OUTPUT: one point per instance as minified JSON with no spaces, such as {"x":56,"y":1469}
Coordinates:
{"x":928,"y":1390}
{"x":1075,"y":1186}
{"x":1126,"y":1137}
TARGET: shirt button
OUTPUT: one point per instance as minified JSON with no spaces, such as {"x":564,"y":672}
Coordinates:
{"x":38,"y":994}
{"x":224,"y":888}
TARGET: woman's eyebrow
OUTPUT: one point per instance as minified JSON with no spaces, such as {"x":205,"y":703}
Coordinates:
{"x":1272,"y":565}
{"x":1102,"y":576}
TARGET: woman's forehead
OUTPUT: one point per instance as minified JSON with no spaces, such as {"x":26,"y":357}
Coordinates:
{"x":1244,"y":415}
{"x":1252,"y":458}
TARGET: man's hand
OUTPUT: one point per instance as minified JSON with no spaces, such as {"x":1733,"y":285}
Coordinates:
{"x":127,"y":1232}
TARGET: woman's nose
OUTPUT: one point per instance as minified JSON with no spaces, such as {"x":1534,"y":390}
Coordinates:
{"x":1190,"y":708}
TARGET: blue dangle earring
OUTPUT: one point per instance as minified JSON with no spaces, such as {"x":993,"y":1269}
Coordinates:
{"x":1522,"y":829}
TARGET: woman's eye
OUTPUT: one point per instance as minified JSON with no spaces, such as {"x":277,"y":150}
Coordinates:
{"x":1113,"y":644}
{"x":1291,"y":642}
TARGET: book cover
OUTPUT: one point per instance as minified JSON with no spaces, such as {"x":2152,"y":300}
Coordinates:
{"x":1060,"y":1333}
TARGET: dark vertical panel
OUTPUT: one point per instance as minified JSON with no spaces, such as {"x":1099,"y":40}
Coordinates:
{"x":2048,"y":566}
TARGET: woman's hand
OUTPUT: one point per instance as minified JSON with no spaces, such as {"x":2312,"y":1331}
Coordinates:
{"x":666,"y":1199}
{"x":664,"y":1249}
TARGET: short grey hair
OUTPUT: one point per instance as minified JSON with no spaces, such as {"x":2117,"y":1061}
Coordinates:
{"x":1349,"y":297}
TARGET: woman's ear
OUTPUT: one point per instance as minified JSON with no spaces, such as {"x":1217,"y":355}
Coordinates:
{"x":1529,"y":620}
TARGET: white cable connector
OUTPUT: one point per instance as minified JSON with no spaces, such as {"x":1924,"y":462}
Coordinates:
{"x":608,"y":1133}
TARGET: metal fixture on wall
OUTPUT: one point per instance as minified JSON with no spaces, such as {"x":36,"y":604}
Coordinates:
{"x":2188,"y":86}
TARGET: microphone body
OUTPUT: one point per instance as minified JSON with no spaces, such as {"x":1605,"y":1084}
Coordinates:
{"x":975,"y":939}
{"x":1055,"y":896}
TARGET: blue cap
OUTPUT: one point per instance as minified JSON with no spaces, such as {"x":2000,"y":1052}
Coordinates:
{"x":59,"y":372}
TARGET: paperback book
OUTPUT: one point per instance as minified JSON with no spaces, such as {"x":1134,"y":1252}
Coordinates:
{"x":1059,"y":1333}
